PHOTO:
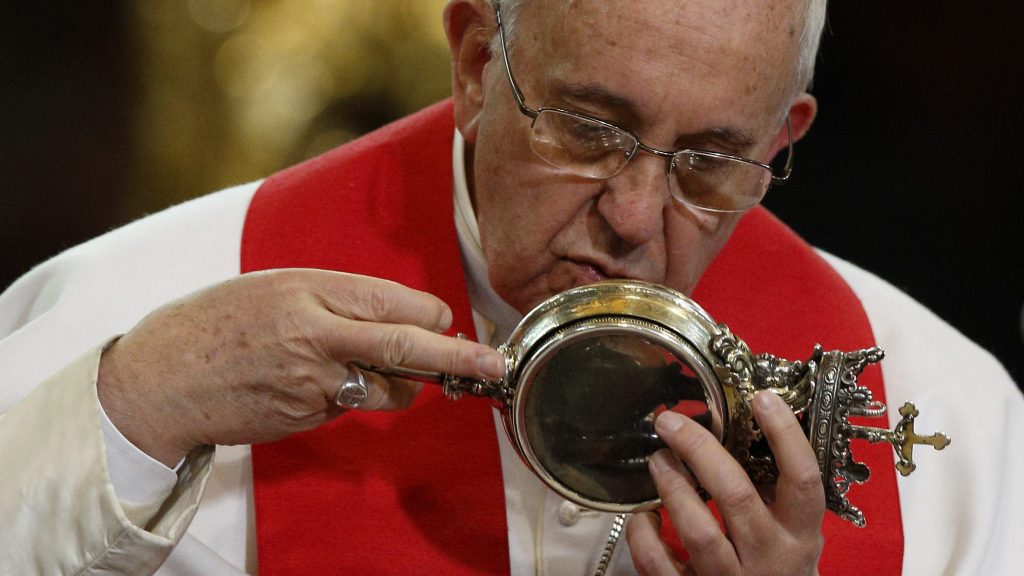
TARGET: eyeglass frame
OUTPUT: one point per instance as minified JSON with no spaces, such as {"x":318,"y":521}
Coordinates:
{"x":517,"y":93}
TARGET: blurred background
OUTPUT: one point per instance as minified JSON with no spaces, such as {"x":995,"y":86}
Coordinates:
{"x":110,"y":110}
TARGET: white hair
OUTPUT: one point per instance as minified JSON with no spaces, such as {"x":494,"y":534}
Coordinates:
{"x":810,"y":36}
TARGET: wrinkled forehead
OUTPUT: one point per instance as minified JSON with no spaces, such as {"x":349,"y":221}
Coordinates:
{"x":744,"y":50}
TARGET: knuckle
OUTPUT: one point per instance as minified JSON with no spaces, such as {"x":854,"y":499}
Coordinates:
{"x":737,"y":495}
{"x":441,"y":311}
{"x":817,"y":547}
{"x":459,"y":358}
{"x":299,"y":374}
{"x":678,"y":486}
{"x":297,"y":405}
{"x":377,"y":301}
{"x":645,"y":560}
{"x":283,"y":282}
{"x":703,"y":538}
{"x":807,"y":479}
{"x":299,"y":342}
{"x":396,"y":347}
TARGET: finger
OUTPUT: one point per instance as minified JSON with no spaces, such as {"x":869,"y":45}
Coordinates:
{"x":373,"y":299}
{"x":651,"y":556}
{"x":799,"y":494}
{"x":385,"y":393}
{"x":698,"y":530}
{"x":744,"y":514}
{"x":394,"y":345}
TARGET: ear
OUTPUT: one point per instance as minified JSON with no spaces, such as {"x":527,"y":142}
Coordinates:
{"x":469,"y":26}
{"x":801,"y":115}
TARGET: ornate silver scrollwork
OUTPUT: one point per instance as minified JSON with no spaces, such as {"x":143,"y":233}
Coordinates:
{"x":825,"y":391}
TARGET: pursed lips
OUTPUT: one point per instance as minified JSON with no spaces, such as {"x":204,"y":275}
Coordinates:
{"x":592,"y":271}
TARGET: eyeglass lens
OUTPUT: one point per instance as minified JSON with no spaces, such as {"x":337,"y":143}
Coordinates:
{"x":588,"y":148}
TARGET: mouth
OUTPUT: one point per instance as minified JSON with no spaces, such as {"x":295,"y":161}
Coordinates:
{"x":589,"y":271}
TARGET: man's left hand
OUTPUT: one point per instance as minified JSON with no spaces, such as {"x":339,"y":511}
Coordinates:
{"x":778,"y":533}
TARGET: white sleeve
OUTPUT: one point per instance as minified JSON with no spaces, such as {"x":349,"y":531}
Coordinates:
{"x":140,"y":482}
{"x":962,"y":509}
{"x":61,"y":508}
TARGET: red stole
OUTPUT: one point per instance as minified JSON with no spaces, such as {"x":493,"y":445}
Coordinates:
{"x":421,"y":491}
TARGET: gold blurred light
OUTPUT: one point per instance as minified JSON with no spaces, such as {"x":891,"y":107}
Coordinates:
{"x":218,"y":15}
{"x":233,"y":90}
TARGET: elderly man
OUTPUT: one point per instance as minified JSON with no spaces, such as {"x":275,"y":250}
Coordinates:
{"x":584,"y":149}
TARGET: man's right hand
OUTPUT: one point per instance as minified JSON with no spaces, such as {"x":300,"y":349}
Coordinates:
{"x":261,"y":356}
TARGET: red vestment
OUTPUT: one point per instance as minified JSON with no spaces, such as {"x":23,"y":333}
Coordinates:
{"x":420,"y":491}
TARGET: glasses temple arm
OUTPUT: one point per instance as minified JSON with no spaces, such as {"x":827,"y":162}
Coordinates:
{"x":788,"y":168}
{"x":516,"y":92}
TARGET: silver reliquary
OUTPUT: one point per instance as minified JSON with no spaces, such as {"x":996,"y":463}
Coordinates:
{"x":589,"y":369}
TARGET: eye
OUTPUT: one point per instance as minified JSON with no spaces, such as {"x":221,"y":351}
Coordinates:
{"x":701,"y":177}
{"x":595,"y":135}
{"x":592,"y":142}
{"x":702,"y":163}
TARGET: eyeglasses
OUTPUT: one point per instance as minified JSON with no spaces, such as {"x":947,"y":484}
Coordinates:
{"x":593,"y":148}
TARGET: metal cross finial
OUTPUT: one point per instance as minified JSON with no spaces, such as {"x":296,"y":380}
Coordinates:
{"x":906,"y":438}
{"x":902,"y":437}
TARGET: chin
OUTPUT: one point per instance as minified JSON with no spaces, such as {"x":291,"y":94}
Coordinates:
{"x":522,"y":299}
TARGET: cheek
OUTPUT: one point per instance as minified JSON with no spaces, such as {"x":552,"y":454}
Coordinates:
{"x":514,"y":241}
{"x":521,"y":241}
{"x":503,"y":206}
{"x":693,"y":240}
{"x":526,"y":230}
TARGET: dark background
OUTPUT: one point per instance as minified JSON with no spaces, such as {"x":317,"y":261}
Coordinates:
{"x":911,"y":171}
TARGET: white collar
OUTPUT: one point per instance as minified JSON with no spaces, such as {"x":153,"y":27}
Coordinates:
{"x":497,"y":316}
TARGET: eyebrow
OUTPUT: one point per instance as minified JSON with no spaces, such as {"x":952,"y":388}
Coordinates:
{"x":600,"y":97}
{"x":626,"y":109}
{"x":733,"y":138}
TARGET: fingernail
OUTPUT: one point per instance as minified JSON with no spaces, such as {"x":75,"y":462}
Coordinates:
{"x":491,"y":365}
{"x":668,"y":422}
{"x":446,"y":320}
{"x":663,"y":460}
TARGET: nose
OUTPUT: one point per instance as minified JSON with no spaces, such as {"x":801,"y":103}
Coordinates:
{"x":633,"y":201}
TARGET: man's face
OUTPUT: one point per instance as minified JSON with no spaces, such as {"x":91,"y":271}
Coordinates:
{"x":703,"y":74}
